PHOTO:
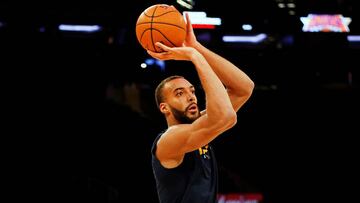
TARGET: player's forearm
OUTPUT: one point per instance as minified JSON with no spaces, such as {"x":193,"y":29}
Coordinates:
{"x":235,"y":80}
{"x":218,"y":104}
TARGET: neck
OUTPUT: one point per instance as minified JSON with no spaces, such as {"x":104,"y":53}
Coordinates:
{"x":171,"y":122}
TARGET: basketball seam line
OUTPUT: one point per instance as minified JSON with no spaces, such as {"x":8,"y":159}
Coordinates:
{"x":161,"y":23}
{"x":158,"y":15}
{"x":159,"y":32}
{"x":152,"y":40}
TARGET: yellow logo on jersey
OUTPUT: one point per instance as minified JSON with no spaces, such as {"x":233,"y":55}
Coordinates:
{"x":204,"y":152}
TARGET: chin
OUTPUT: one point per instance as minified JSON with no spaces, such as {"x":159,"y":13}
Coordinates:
{"x":194,"y":116}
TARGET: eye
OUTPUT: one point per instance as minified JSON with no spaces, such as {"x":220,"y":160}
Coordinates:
{"x":179,"y":93}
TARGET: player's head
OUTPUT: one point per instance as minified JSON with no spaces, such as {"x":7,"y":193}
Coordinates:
{"x":175,"y":97}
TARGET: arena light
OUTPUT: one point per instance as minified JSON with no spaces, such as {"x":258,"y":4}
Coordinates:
{"x":155,"y":62}
{"x":245,"y":39}
{"x":189,"y":4}
{"x":79,"y":28}
{"x":325,"y":23}
{"x":247,"y":27}
{"x":353,"y":38}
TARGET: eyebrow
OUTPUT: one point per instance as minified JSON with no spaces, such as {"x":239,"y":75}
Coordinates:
{"x":181,"y":88}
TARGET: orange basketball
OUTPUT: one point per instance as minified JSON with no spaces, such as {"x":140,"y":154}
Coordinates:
{"x":160,"y":23}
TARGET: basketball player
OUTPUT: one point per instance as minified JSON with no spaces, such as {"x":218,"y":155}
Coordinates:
{"x":183,"y":161}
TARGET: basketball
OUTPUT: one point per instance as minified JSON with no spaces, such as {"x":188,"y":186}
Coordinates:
{"x":160,"y":23}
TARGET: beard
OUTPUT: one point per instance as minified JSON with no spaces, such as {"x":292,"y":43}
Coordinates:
{"x":182,"y":117}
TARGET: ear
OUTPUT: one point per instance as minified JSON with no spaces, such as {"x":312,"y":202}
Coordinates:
{"x":164,"y":108}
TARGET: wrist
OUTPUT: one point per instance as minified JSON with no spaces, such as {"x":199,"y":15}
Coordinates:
{"x":197,"y":45}
{"x":194,"y":54}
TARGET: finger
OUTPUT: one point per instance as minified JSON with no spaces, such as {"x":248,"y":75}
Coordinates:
{"x":159,"y":56}
{"x":162,"y":46}
{"x":153,"y":54}
{"x":188,"y":22}
{"x":187,"y":17}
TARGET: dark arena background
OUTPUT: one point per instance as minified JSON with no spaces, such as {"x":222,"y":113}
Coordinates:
{"x":77,"y":71}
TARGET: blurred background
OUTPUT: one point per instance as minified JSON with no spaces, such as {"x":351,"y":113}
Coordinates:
{"x":77,"y":71}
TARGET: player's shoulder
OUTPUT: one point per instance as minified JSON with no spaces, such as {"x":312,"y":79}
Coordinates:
{"x":173,"y":130}
{"x":176,"y":128}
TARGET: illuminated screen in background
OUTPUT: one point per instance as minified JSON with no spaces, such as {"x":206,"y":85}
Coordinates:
{"x":240,"y":198}
{"x":325,"y":23}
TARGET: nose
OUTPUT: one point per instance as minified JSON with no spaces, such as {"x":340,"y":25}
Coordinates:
{"x":191,"y":97}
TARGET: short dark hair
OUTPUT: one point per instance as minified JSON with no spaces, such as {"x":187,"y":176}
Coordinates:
{"x":159,"y":97}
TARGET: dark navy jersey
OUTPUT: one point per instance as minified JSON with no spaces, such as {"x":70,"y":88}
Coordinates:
{"x":195,"y":180}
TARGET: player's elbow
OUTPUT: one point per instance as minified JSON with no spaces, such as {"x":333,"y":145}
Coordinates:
{"x":232,"y":119}
{"x":249,"y":88}
{"x":244,"y":91}
{"x":252,"y":85}
{"x":229,"y":119}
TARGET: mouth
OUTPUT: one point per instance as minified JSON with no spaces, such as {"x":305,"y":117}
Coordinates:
{"x":192,"y":108}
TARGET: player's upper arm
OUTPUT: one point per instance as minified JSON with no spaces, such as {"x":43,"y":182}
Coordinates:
{"x":183,"y":138}
{"x":237,"y":100}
